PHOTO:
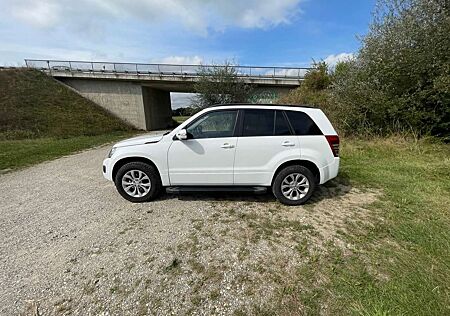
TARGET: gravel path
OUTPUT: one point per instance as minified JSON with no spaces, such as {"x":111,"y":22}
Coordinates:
{"x":72,"y":245}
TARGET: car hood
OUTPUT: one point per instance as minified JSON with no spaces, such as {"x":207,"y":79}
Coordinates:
{"x":140,"y":140}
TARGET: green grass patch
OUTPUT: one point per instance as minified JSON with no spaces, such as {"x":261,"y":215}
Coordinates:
{"x":15,"y":154}
{"x":34,"y":105}
{"x":400,"y":262}
{"x":180,"y":119}
{"x":42,"y":119}
{"x":404,"y":262}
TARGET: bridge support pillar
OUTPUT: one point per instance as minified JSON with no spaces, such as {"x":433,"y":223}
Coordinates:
{"x":157,"y":108}
{"x":143,"y":107}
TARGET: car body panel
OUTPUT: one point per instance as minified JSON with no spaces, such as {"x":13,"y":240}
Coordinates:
{"x":257,"y":157}
{"x":252,"y":161}
{"x":202,"y":161}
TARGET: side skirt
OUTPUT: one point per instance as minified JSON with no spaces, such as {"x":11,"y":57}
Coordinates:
{"x":180,"y":189}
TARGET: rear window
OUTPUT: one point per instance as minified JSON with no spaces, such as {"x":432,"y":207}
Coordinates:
{"x":258,"y":123}
{"x":302,"y":123}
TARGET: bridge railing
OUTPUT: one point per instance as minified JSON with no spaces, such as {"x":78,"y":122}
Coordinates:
{"x":160,"y":69}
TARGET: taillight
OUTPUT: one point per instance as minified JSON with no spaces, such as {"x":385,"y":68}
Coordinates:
{"x":333,"y":141}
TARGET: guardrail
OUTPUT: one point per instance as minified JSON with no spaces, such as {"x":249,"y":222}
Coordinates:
{"x":161,"y":69}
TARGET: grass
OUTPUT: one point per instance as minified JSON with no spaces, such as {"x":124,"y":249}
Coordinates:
{"x":180,"y":119}
{"x":15,"y":154}
{"x":34,"y":105}
{"x":401,"y":265}
{"x":41,"y":119}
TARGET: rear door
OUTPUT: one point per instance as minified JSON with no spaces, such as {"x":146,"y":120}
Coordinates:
{"x":264,"y":142}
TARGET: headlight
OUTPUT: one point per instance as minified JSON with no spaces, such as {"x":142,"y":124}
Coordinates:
{"x":111,"y":152}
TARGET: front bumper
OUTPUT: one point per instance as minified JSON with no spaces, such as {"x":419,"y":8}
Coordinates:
{"x":107,"y":169}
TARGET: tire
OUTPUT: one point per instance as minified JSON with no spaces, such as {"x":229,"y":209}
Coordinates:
{"x":144,"y":183}
{"x":293,"y":177}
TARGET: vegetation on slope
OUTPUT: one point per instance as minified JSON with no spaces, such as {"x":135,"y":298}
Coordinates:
{"x":41,"y":119}
{"x":33,"y":105}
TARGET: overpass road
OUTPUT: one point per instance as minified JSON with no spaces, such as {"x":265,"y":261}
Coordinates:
{"x":140,"y":93}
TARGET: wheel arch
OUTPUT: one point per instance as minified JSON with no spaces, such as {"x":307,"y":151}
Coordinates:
{"x":123,"y":161}
{"x":299,"y":162}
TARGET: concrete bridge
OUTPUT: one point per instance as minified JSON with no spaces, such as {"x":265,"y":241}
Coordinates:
{"x":140,"y":93}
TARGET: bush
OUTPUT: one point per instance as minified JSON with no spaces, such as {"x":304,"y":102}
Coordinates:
{"x":398,"y":82}
{"x":400,"y":79}
{"x":315,"y":91}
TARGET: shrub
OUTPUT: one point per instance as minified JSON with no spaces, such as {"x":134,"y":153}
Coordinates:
{"x":398,"y":82}
{"x":400,"y":79}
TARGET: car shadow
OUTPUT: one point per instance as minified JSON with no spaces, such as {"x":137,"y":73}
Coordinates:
{"x":335,"y":188}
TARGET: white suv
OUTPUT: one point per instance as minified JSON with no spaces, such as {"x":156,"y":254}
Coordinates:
{"x":290,"y":149}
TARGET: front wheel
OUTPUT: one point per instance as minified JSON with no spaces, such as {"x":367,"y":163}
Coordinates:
{"x":293,"y":185}
{"x":138,"y":182}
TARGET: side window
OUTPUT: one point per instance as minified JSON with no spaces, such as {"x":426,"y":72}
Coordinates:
{"x":302,"y":123}
{"x":258,"y":123}
{"x":213,"y":125}
{"x":281,"y":124}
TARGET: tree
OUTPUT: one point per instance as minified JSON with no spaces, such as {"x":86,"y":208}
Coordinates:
{"x":400,"y":79}
{"x":220,"y":84}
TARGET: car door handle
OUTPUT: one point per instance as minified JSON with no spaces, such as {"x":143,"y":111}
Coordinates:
{"x":226,"y":146}
{"x":287,"y":144}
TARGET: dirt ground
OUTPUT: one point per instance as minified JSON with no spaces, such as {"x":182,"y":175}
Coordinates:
{"x":72,"y":246}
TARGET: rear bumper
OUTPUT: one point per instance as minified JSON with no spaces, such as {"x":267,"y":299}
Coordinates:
{"x":329,"y":172}
{"x":107,"y":169}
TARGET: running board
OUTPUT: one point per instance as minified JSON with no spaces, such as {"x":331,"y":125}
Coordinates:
{"x":180,"y":189}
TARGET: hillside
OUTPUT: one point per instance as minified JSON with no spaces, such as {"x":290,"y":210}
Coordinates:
{"x":33,"y":105}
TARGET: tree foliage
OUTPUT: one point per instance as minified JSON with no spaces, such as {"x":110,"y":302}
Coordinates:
{"x":220,"y":84}
{"x":314,"y":90}
{"x":400,"y":79}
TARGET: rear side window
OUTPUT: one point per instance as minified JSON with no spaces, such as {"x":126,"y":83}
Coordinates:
{"x":302,"y":123}
{"x":281,"y":124}
{"x":258,"y":123}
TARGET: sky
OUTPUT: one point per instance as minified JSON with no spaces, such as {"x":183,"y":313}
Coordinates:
{"x":246,"y":32}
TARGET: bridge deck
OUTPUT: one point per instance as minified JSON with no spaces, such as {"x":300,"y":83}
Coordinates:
{"x":290,"y":76}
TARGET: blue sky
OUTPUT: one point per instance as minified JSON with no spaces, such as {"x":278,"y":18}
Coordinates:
{"x":248,"y":32}
{"x":253,"y":32}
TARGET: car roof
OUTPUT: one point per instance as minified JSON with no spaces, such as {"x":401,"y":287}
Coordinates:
{"x":262,"y":105}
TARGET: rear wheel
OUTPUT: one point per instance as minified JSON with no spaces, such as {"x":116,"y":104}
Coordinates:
{"x":293,"y":185}
{"x":138,"y":182}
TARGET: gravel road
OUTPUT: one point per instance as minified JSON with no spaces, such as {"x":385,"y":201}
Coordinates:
{"x":72,"y":246}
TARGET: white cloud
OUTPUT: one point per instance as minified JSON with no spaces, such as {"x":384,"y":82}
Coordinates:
{"x":179,"y":60}
{"x":180,"y":100}
{"x":199,"y":16}
{"x":332,"y":60}
{"x":43,"y":14}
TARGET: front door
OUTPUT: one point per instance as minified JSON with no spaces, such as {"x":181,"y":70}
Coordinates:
{"x":207,"y":156}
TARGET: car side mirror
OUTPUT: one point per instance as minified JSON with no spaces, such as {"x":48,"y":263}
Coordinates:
{"x":182,"y":134}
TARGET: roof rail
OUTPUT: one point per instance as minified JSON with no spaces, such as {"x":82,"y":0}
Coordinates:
{"x":264,"y":104}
